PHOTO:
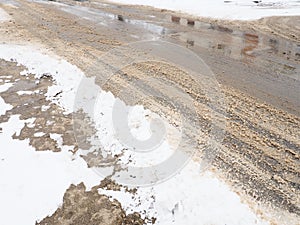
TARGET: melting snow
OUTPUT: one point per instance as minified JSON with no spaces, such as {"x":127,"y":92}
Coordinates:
{"x":33,"y":183}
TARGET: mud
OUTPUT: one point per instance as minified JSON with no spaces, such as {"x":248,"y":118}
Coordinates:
{"x":89,"y":207}
{"x":47,"y":117}
{"x":256,"y":63}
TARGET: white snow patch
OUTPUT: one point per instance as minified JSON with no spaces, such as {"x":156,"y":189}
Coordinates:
{"x":30,"y":122}
{"x":4,"y":106}
{"x":5,"y":87}
{"x":190,"y":198}
{"x":234,"y":9}
{"x":4,"y":16}
{"x":25,"y":92}
{"x":7,"y":77}
{"x":39,"y":134}
{"x":28,"y":92}
{"x":139,"y":124}
{"x":45,"y":107}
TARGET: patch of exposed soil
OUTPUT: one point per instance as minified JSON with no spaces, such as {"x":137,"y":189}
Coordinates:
{"x":89,"y":207}
{"x":47,"y":117}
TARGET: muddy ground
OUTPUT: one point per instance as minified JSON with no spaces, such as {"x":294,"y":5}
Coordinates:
{"x":256,"y":64}
{"x":89,"y":207}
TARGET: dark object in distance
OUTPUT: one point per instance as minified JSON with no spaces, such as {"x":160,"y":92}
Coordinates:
{"x":190,"y":42}
{"x":191,"y":22}
{"x":120,"y":17}
{"x":175,"y":19}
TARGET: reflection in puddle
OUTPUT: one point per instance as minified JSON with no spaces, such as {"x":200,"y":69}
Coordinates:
{"x":101,"y":17}
{"x":236,"y":44}
{"x":273,"y":43}
{"x":251,"y":42}
{"x":190,"y":22}
{"x":10,"y":3}
{"x":198,"y":24}
{"x":120,"y":17}
{"x":221,"y":28}
{"x":149,"y":26}
{"x":246,"y":47}
{"x":175,"y":19}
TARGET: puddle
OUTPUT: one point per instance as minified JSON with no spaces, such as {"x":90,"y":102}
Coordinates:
{"x":175,"y":19}
{"x":149,"y":26}
{"x":236,"y":44}
{"x":249,"y":48}
{"x":197,"y":24}
{"x":114,"y":20}
{"x":245,"y":47}
{"x":108,"y":19}
{"x":251,"y":42}
{"x":227,"y":38}
{"x":104,"y":5}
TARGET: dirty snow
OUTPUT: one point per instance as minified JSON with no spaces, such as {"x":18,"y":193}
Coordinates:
{"x":231,"y":9}
{"x":33,"y":183}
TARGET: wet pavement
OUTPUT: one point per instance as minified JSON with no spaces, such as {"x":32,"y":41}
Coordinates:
{"x":270,"y":64}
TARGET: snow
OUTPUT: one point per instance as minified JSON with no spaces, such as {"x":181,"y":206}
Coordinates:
{"x":4,"y":107}
{"x":139,"y":120}
{"x":33,"y":183}
{"x":28,"y":92}
{"x":232,"y":10}
{"x":39,"y":134}
{"x":190,"y":198}
{"x":5,"y":87}
{"x":4,"y":16}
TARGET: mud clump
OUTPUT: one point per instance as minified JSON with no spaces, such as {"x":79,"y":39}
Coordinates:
{"x":90,"y":208}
